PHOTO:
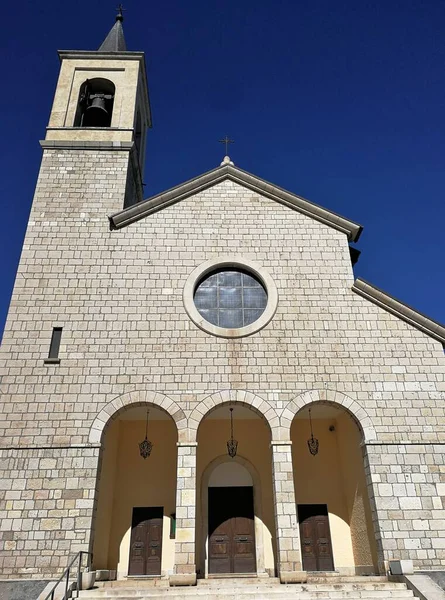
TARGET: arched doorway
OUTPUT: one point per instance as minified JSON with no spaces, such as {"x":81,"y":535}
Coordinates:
{"x":334,"y":514}
{"x":235,"y":524}
{"x":136,"y":497}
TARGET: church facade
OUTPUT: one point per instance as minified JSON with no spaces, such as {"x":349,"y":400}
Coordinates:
{"x":195,"y":384}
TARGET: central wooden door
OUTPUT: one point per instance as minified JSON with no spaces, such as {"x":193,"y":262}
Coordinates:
{"x":146,"y":541}
{"x":315,"y":537}
{"x":231,"y":530}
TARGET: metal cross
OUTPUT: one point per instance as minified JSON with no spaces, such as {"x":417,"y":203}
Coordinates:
{"x":120,"y":9}
{"x":226,"y":141}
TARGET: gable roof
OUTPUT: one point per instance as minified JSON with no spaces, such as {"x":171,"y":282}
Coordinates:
{"x":227,"y":171}
{"x":399,"y":309}
{"x":350,"y":228}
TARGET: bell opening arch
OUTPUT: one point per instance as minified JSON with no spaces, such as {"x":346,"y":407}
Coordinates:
{"x":95,"y":103}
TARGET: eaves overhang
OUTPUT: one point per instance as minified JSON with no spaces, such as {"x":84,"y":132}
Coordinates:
{"x":399,"y":309}
{"x":193,"y":186}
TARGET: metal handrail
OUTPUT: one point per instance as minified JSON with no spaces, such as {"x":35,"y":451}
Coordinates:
{"x":66,"y":575}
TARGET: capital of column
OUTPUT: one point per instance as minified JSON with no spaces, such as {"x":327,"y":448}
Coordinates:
{"x":281,"y":443}
{"x":186,"y":444}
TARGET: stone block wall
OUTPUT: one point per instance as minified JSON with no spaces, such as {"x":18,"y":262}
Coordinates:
{"x":46,"y":507}
{"x":409,"y":485}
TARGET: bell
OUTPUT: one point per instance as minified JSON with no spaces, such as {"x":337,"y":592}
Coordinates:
{"x":96,"y":115}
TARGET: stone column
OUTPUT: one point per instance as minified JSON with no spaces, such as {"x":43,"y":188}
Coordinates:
{"x":288,"y":534}
{"x":185,"y":562}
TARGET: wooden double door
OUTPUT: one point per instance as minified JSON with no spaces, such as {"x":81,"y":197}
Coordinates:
{"x":146,"y":541}
{"x":315,"y":537}
{"x":231,"y":530}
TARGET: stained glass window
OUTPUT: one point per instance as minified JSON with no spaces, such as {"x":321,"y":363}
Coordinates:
{"x":230,"y":298}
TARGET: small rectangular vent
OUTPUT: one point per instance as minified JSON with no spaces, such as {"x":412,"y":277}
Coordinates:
{"x":54,"y":347}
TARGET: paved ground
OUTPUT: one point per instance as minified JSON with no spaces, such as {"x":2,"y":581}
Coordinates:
{"x":21,"y":590}
{"x":437,"y":576}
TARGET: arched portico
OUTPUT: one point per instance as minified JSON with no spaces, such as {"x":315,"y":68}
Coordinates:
{"x":218,"y":473}
{"x":331,"y":489}
{"x":357,"y":412}
{"x":135,"y":500}
{"x":136,"y":398}
{"x":234,"y":397}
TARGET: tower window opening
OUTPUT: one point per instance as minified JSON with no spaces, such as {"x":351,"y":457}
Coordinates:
{"x":53,"y":355}
{"x":95,"y":105}
{"x":138,"y":136}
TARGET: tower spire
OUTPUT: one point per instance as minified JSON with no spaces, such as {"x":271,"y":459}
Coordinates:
{"x":115,"y":40}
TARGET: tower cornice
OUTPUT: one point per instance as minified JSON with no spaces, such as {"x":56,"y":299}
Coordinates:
{"x":88,"y":54}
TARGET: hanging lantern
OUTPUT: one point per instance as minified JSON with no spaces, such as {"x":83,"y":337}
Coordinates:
{"x":232,"y":445}
{"x":312,"y":442}
{"x":146,"y":446}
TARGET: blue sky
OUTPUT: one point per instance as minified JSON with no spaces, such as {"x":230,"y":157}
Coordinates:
{"x":340,"y":102}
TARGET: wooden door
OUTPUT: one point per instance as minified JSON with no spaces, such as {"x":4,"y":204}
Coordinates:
{"x":146,"y":541}
{"x":315,"y":537}
{"x":231,"y":530}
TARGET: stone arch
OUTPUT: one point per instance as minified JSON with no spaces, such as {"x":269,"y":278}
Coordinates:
{"x":258,"y":509}
{"x":95,"y":103}
{"x":248,"y":399}
{"x":356,"y":411}
{"x":137,"y":397}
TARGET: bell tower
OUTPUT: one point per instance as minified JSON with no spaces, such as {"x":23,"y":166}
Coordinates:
{"x":101,"y":106}
{"x":66,"y":291}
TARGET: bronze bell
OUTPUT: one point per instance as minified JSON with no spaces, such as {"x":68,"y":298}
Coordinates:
{"x":96,"y":115}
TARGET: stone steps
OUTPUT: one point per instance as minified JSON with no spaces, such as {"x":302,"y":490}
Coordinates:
{"x":331,"y":588}
{"x":283,"y":594}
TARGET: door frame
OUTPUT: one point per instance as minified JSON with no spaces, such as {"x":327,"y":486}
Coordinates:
{"x":257,"y":509}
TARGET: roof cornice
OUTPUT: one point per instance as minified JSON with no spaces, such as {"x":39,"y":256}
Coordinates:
{"x":193,"y":186}
{"x":399,"y":309}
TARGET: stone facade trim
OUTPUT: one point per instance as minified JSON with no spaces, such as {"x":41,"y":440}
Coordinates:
{"x":55,"y":447}
{"x":85,"y":145}
{"x":211,"y":178}
{"x":351,"y":406}
{"x":263,"y":408}
{"x":399,"y":309}
{"x":405,"y":443}
{"x":135,"y":398}
{"x":281,"y":443}
{"x":89,"y":54}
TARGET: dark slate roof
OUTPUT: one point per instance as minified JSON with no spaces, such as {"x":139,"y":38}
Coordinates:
{"x":115,"y":41}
